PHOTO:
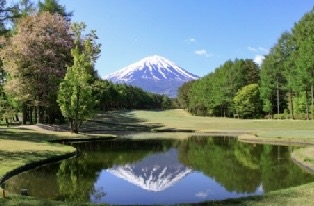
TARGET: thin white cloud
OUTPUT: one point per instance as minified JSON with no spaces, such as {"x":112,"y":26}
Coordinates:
{"x":202,"y":52}
{"x":259,"y":59}
{"x":252,"y":49}
{"x":263,"y":50}
{"x":259,"y":49}
{"x":191,"y":40}
{"x":204,"y":194}
{"x":201,"y":194}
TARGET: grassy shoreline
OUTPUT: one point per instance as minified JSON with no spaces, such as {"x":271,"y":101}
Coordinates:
{"x":14,"y":141}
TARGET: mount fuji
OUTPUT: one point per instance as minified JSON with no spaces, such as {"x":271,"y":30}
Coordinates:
{"x":154,"y":74}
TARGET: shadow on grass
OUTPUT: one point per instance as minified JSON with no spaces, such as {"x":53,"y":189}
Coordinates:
{"x":27,"y":157}
{"x":24,"y":134}
{"x":112,"y":122}
{"x":117,"y":121}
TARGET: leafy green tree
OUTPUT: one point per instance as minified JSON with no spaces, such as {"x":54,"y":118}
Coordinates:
{"x":266,"y":88}
{"x":273,"y":82}
{"x":23,"y":8}
{"x":247,"y":101}
{"x":183,"y":92}
{"x":300,"y":102}
{"x":213,"y":94}
{"x":75,"y":95}
{"x":166,"y":102}
{"x":284,"y":50}
{"x":54,"y":7}
{"x":303,"y":33}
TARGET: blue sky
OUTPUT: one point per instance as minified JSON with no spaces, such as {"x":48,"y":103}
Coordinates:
{"x":198,"y":35}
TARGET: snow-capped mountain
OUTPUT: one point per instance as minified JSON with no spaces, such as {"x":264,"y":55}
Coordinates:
{"x":153,"y":173}
{"x":154,"y":74}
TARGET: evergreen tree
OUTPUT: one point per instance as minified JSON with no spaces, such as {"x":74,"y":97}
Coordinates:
{"x":303,"y":33}
{"x":213,"y":94}
{"x":53,"y":7}
{"x":183,"y":93}
{"x":267,"y":86}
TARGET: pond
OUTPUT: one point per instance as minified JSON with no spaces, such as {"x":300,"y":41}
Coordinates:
{"x":156,"y":171}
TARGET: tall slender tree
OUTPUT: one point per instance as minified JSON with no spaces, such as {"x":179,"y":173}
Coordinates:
{"x":284,"y":50}
{"x":303,"y":32}
{"x":75,"y":96}
{"x":267,"y":85}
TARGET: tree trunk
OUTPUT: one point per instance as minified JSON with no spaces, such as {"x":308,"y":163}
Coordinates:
{"x":77,"y":106}
{"x":30,"y":115}
{"x":71,"y":124}
{"x":24,"y":114}
{"x":40,"y":115}
{"x":36,"y":115}
{"x":307,"y":106}
{"x":312,"y":101}
{"x":278,"y":105}
{"x":7,"y":122}
{"x":17,"y":118}
{"x":291,"y":104}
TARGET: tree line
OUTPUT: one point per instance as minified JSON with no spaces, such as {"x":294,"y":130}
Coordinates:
{"x":212,"y":95}
{"x":47,"y":68}
{"x":282,"y":87}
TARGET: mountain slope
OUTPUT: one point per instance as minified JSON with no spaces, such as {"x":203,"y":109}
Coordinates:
{"x":154,"y":74}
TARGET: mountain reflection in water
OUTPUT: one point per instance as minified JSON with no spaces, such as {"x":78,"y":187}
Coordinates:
{"x":164,"y":172}
{"x":155,"y":172}
{"x":159,"y":178}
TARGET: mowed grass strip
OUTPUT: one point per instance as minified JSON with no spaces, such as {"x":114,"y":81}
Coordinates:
{"x":180,"y":119}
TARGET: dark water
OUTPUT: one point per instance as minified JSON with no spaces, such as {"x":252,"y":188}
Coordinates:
{"x":164,"y":172}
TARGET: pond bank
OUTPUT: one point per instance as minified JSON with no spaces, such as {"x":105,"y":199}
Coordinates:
{"x":35,"y":164}
{"x":25,"y":148}
{"x":268,"y":131}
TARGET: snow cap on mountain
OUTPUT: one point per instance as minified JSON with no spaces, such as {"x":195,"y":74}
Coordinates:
{"x":154,"y":74}
{"x":153,"y":67}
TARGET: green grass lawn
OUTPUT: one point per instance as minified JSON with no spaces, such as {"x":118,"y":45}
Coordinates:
{"x":183,"y":120}
{"x":23,"y":145}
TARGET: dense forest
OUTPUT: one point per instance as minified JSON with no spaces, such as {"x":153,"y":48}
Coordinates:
{"x":282,"y":87}
{"x":47,"y":69}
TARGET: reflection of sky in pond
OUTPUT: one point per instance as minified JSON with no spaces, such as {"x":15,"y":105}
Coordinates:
{"x":163,"y":172}
{"x":195,"y":187}
{"x":184,"y":186}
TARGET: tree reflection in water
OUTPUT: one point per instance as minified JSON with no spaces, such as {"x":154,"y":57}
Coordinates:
{"x":240,"y":168}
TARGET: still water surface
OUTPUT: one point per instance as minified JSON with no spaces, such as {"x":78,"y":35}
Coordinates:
{"x":164,"y":172}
